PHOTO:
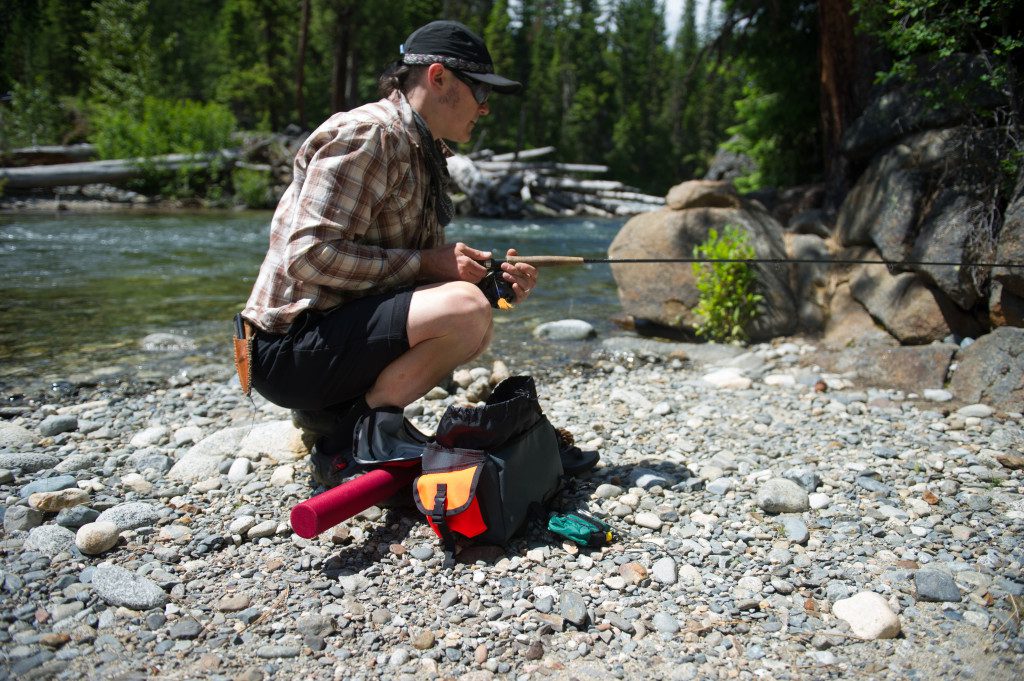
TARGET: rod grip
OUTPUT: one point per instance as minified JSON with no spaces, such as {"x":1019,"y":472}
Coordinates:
{"x":324,"y":511}
{"x":545,"y":260}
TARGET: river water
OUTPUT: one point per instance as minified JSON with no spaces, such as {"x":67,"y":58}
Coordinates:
{"x":80,"y":291}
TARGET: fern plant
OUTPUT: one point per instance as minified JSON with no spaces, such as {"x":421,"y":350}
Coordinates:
{"x":728,"y":290}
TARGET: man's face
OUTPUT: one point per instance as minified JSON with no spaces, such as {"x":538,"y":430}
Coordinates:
{"x":463,"y":109}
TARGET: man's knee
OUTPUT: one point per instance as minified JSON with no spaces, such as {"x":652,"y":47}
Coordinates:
{"x":467,"y":306}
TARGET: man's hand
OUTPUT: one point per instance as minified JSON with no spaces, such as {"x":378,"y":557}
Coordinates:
{"x":453,"y":262}
{"x":523,"y":277}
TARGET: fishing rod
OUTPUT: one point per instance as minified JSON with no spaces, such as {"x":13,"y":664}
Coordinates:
{"x":563,"y":260}
{"x":501,"y":296}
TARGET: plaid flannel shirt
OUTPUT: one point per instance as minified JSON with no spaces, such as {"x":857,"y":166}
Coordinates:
{"x":352,"y":222}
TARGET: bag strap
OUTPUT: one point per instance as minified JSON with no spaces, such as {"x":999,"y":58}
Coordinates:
{"x":437,"y":515}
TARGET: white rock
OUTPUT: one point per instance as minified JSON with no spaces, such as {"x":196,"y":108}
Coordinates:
{"x":94,"y":538}
{"x":187,"y":435}
{"x":779,"y":380}
{"x":729,"y":378}
{"x":688,"y":574}
{"x":935,"y":395}
{"x":203,"y":459}
{"x":565,"y":330}
{"x":818,"y":500}
{"x":239,"y":469}
{"x":607,"y":491}
{"x":282,"y":475}
{"x":242,"y":524}
{"x":664,"y":570}
{"x":978,"y":410}
{"x":648,"y":520}
{"x":280,"y":441}
{"x":868,"y":615}
{"x":136,"y":483}
{"x":147,"y":437}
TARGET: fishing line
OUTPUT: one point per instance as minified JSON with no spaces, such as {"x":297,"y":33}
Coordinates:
{"x":556,"y":260}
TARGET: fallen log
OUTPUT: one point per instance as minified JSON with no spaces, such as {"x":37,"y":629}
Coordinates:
{"x":49,"y":154}
{"x":115,"y":170}
{"x":515,"y":166}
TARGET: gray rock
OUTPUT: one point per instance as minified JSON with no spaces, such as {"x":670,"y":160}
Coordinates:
{"x":779,"y":495}
{"x":267,"y":528}
{"x":50,"y":540}
{"x":28,"y":462}
{"x":13,"y":436}
{"x":185,"y":629}
{"x":665,"y":623}
{"x":270,"y":652}
{"x":76,"y":516}
{"x":22,"y":519}
{"x":150,"y":459}
{"x":806,"y":478}
{"x":794,"y":528}
{"x":130,"y":515}
{"x":53,"y":484}
{"x":449,"y":598}
{"x":565,"y":330}
{"x":573,"y":608}
{"x":936,"y":586}
{"x":117,"y":586}
{"x":422,"y":552}
{"x":57,"y":424}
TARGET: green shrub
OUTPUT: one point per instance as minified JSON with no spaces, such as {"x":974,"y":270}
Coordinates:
{"x":166,"y":127}
{"x":728,"y":290}
{"x":252,"y":187}
{"x":35,"y":116}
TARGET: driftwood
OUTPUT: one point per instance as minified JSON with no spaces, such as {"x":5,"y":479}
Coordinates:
{"x":91,"y":172}
{"x":48,"y":154}
{"x":513,"y":185}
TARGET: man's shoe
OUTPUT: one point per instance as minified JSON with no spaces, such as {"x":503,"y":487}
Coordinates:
{"x":330,"y":470}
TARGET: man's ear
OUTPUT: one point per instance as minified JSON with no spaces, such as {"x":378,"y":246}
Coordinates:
{"x":435,"y":76}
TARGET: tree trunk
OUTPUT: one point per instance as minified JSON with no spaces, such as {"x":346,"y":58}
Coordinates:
{"x":343,"y":13}
{"x":837,"y":58}
{"x":300,"y":71}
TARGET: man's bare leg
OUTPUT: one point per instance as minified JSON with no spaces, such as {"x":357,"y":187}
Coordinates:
{"x":449,"y":324}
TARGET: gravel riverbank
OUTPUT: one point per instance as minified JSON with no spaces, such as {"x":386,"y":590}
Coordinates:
{"x":773,"y":522}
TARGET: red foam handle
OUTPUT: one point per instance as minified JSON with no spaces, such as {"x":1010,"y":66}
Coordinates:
{"x":324,"y":511}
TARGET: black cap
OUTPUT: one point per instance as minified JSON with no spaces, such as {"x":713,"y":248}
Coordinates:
{"x":456,"y":47}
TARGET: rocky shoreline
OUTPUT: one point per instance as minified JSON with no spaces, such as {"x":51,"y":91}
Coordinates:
{"x":772,"y":521}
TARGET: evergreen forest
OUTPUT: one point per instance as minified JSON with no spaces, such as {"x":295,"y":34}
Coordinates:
{"x":607,"y":81}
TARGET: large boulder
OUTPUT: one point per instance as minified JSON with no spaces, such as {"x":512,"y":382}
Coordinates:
{"x":809,"y":281}
{"x":702,"y":194}
{"x":900,"y":303}
{"x":910,"y":310}
{"x":850,"y":324}
{"x":667,"y":294}
{"x":924,"y":199}
{"x":904,"y":109}
{"x":908,"y":368}
{"x":991,"y":370}
{"x":1010,"y":244}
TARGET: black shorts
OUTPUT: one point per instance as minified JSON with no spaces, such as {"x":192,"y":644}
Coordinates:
{"x":326,"y":359}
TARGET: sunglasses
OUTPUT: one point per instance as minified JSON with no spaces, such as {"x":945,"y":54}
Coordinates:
{"x":481,"y":91}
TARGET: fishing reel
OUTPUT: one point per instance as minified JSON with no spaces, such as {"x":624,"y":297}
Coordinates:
{"x":499,"y":292}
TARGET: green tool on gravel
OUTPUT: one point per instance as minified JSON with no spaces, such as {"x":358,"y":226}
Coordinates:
{"x":583,"y":529}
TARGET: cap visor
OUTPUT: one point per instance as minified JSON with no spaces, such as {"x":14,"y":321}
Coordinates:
{"x":498,"y":83}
